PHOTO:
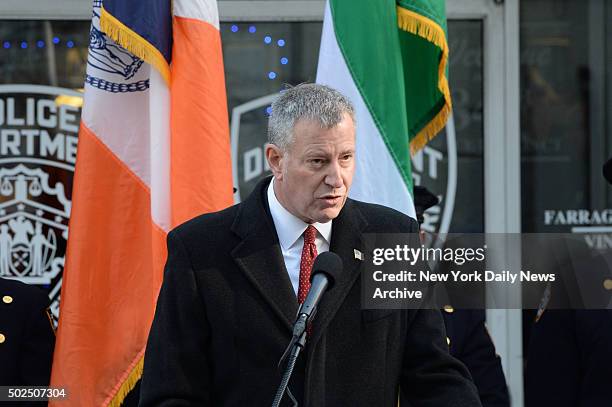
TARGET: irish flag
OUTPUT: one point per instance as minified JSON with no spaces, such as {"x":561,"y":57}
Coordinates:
{"x":390,"y":58}
{"x":153,"y":152}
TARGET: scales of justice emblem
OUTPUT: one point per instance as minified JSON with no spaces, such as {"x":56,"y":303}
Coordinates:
{"x":32,"y":233}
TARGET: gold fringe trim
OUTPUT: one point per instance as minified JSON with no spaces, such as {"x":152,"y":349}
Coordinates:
{"x":428,"y":29}
{"x":134,"y":43}
{"x":50,"y":318}
{"x":431,"y":129}
{"x":128,"y":384}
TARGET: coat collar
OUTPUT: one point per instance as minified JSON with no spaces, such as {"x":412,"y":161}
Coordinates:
{"x":259,"y":255}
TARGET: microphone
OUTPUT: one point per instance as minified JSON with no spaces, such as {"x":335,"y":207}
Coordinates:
{"x":326,"y":268}
{"x":607,"y":171}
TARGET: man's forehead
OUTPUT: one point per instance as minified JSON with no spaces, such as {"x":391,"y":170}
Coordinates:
{"x":323,"y":141}
{"x":307,"y":128}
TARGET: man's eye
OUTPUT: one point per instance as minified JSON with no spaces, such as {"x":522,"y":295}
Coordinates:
{"x":316,"y":161}
{"x":347,"y":157}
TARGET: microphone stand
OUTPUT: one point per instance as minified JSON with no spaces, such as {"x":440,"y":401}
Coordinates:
{"x":325,"y":268}
{"x":298,"y":341}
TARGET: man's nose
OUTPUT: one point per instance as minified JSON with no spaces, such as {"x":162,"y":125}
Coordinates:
{"x":334,"y":175}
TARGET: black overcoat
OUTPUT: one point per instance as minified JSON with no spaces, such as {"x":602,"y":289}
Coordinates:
{"x":226,"y":308}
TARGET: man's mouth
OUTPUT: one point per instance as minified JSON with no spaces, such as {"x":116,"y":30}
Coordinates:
{"x":331,"y":199}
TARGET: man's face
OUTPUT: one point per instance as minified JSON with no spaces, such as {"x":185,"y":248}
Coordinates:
{"x":313,"y":177}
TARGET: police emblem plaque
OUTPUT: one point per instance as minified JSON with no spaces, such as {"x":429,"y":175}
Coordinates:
{"x":38,"y":142}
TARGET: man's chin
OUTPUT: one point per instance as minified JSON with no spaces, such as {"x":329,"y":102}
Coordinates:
{"x":328,"y":214}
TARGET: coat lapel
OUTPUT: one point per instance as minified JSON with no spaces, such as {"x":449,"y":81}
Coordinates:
{"x":346,"y":237}
{"x":260,"y":258}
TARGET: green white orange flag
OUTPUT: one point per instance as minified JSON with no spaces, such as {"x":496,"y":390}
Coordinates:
{"x":153,"y":152}
{"x":390,"y":58}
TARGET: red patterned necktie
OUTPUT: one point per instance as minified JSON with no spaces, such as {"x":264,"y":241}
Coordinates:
{"x":309,"y":252}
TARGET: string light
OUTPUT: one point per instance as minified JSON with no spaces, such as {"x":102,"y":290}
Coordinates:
{"x":24,"y":44}
{"x":267,"y":39}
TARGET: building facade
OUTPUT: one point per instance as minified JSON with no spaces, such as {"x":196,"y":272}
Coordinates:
{"x":523,"y":151}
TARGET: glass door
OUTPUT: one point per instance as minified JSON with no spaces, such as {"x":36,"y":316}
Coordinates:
{"x":483,"y":186}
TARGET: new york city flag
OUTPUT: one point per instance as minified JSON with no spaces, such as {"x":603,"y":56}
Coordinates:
{"x":153,"y":152}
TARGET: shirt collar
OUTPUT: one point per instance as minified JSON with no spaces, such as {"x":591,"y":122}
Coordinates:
{"x":289,"y":227}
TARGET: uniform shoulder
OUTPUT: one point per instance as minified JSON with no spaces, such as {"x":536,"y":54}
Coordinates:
{"x":25,"y":293}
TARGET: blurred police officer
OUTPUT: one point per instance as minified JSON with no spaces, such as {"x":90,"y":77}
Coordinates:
{"x":467,"y":335}
{"x":569,"y":352}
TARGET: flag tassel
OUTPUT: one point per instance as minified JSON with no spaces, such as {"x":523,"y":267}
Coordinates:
{"x":128,"y":384}
{"x":134,"y":43}
{"x":429,"y":30}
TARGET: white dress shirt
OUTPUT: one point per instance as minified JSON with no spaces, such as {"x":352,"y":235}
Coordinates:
{"x":290,"y":231}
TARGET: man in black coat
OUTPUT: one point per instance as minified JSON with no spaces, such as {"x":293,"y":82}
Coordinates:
{"x":229,"y":296}
{"x":27,"y":336}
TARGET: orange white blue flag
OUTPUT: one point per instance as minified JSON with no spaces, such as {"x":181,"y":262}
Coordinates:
{"x":153,"y":152}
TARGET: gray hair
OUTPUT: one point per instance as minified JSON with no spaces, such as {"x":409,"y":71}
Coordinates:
{"x":310,"y":101}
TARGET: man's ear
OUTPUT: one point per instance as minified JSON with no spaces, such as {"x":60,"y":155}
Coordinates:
{"x":274,"y":155}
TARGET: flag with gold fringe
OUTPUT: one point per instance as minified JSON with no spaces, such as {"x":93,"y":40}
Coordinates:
{"x":390,"y":58}
{"x":153,"y":152}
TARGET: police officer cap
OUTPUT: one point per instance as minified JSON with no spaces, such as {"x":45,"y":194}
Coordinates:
{"x":423,"y":200}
